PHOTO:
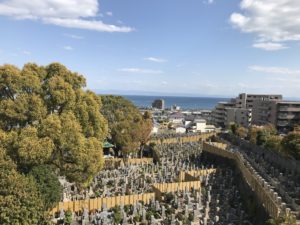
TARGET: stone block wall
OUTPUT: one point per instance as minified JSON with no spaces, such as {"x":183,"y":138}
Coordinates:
{"x":270,"y":200}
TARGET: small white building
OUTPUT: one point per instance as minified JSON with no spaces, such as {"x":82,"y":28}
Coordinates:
{"x":180,"y":130}
{"x":200,"y":125}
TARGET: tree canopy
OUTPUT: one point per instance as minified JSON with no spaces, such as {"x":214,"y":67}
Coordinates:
{"x":48,"y":185}
{"x":46,"y":117}
{"x":49,"y":126}
{"x":267,"y":137}
{"x":128,"y":128}
{"x":291,"y":144}
{"x":20,"y":200}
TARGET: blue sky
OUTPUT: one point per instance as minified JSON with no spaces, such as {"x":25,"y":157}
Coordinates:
{"x":176,"y":47}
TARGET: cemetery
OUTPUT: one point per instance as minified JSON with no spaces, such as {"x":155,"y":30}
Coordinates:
{"x":181,"y":188}
{"x":282,"y":174}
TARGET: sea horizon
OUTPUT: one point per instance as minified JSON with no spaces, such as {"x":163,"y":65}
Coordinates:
{"x":184,"y":102}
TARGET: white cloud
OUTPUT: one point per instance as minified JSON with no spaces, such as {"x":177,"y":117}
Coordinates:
{"x":270,"y":46}
{"x":274,"y":22}
{"x":73,"y":36}
{"x":153,"y":59}
{"x":79,"y":14}
{"x":68,"y":48}
{"x":140,"y":70}
{"x":86,"y":24}
{"x":275,"y":70}
{"x":109,"y":13}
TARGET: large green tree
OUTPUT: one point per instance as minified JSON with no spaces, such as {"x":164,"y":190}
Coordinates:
{"x":274,"y":143}
{"x":264,"y":133}
{"x":47,"y":117}
{"x":291,"y":145}
{"x":128,"y":128}
{"x":20,"y":199}
{"x":48,"y":185}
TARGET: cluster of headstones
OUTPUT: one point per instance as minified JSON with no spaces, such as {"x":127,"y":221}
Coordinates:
{"x":218,"y":202}
{"x":137,"y":179}
{"x":172,"y":135}
{"x":283,"y":182}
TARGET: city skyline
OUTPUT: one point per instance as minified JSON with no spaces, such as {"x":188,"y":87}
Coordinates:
{"x":199,"y":48}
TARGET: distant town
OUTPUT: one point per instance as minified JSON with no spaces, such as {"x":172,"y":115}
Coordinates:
{"x":245,"y":110}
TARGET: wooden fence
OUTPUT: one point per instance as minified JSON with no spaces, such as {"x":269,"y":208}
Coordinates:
{"x":187,"y":182}
{"x":193,"y":175}
{"x":161,"y":188}
{"x":97,"y":203}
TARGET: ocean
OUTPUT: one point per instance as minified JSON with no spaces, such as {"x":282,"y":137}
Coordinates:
{"x":183,"y":102}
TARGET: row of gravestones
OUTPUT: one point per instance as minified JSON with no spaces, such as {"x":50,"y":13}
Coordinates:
{"x":217,"y":203}
{"x":172,"y":135}
{"x":281,"y":174}
{"x":267,"y":193}
{"x":282,"y":181}
{"x":137,"y":179}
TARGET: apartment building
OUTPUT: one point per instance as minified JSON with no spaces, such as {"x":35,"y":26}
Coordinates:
{"x":158,"y":104}
{"x":240,"y":116}
{"x":247,"y":100}
{"x":219,"y":114}
{"x":288,"y":115}
{"x":284,"y":115}
{"x":239,"y":109}
{"x":264,"y":112}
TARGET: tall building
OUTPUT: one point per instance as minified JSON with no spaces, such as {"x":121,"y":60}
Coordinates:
{"x":264,"y":112}
{"x":246,"y":100}
{"x":158,"y":104}
{"x":239,"y":110}
{"x":284,"y":115}
{"x":240,"y":116}
{"x":219,"y":114}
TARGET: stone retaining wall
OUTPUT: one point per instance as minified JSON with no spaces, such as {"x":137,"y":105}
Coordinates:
{"x":270,"y":200}
{"x":283,"y":162}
